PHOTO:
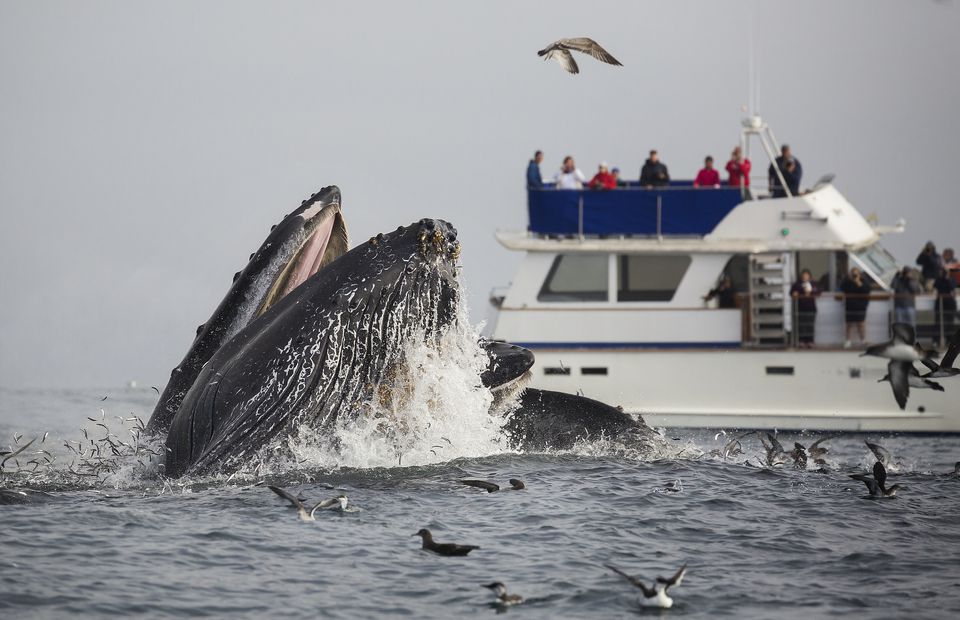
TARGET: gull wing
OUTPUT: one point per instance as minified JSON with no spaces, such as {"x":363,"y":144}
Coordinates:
{"x":489,"y":487}
{"x":904,"y":332}
{"x":565,"y":59}
{"x":815,"y":446}
{"x":952,"y":350}
{"x":899,"y":374}
{"x":589,"y":46}
{"x":882,"y":454}
{"x":774,"y":443}
{"x":676,"y":579}
{"x":290,"y":497}
{"x":647,"y":592}
{"x":327,"y":503}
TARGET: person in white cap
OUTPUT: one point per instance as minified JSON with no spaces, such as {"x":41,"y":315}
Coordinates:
{"x":603,"y":179}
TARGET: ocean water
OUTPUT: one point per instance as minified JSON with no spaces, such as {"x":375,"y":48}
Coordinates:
{"x":759,"y":542}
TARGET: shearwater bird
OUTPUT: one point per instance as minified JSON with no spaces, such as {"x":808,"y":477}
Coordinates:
{"x":816,"y":452}
{"x":902,"y":347}
{"x":560,"y":51}
{"x":490,"y":487}
{"x":338,"y":503}
{"x":776,"y":455}
{"x":945,"y":367}
{"x":877,"y":485}
{"x":903,"y":376}
{"x":504,"y":599}
{"x":443,"y":548}
{"x":652,"y":595}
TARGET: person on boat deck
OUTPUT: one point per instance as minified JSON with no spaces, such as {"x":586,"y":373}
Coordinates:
{"x":805,"y":292}
{"x":738,"y":168}
{"x":951,"y":265}
{"x":791,"y":170}
{"x":930,"y":265}
{"x":603,"y":179}
{"x":534,"y":180}
{"x":905,"y":290}
{"x":616,"y":177}
{"x":708,"y":176}
{"x":724,"y":292}
{"x":856,"y":297}
{"x":945,"y":308}
{"x":569,"y":176}
{"x":654,"y":172}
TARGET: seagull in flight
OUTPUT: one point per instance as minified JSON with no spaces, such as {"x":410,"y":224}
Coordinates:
{"x":654,"y":596}
{"x":560,"y":51}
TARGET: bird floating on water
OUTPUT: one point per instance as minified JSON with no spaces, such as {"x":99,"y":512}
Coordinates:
{"x":449,"y":549}
{"x":654,"y":596}
{"x":338,"y":503}
{"x":877,"y":485}
{"x":504,"y":599}
{"x":671,"y":487}
{"x":490,"y":487}
{"x":560,"y":51}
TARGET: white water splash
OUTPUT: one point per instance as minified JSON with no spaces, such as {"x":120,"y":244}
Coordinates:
{"x":436,"y":411}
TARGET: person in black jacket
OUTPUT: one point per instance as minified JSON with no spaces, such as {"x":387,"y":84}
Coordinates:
{"x":930,"y":265}
{"x":856,"y":297}
{"x":654,"y":172}
{"x":791,"y":170}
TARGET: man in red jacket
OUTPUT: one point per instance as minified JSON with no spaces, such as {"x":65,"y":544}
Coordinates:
{"x":707,"y":177}
{"x":739,"y":169}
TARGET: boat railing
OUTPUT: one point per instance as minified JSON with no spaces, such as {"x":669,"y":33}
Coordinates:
{"x":678,"y":209}
{"x":935,"y":319}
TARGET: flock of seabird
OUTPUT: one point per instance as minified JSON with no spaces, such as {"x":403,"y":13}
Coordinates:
{"x":653,"y":595}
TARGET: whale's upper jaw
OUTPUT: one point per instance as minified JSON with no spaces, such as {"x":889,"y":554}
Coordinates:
{"x":317,"y":235}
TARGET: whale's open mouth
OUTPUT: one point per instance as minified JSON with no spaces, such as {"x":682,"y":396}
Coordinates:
{"x":325,"y":242}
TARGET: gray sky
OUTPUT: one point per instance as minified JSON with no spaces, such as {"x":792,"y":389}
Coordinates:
{"x":146,"y":148}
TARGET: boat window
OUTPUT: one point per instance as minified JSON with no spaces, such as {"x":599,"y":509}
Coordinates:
{"x":576,"y":277}
{"x":877,"y":262}
{"x":650,"y":277}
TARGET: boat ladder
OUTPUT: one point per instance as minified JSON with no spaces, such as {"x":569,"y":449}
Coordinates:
{"x":767,"y":300}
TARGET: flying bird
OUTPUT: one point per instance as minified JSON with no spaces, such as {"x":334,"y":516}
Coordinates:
{"x":560,"y":51}
{"x":903,"y":376}
{"x":654,"y":596}
{"x":945,"y":368}
{"x":337,"y":503}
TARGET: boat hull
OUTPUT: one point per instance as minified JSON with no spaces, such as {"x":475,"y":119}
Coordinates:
{"x":829,"y":390}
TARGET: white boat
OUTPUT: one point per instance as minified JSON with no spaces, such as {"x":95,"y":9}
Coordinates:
{"x":609,"y":295}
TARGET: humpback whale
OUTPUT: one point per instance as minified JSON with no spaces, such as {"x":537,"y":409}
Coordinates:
{"x":301,"y":244}
{"x":323,"y":350}
{"x":310,"y":334}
